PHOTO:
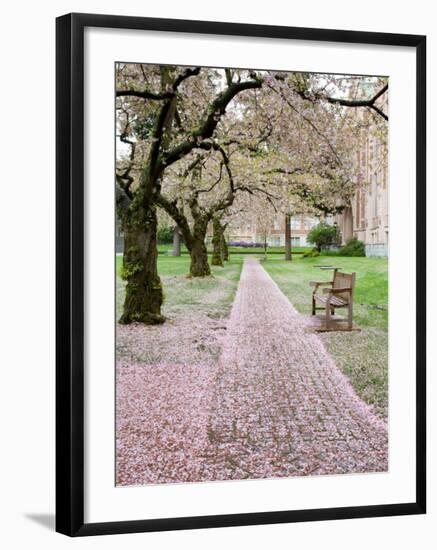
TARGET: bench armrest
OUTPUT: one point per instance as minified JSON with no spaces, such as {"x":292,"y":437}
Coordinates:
{"x":337,"y":290}
{"x":320,"y":283}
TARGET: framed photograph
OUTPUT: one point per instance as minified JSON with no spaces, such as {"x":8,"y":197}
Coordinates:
{"x":240,"y":274}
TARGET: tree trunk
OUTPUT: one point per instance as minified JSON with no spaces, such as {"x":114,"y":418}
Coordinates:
{"x":144,"y":296}
{"x":287,"y":238}
{"x":199,"y":266}
{"x":225,"y":250}
{"x":217,"y":258}
{"x":176,"y":242}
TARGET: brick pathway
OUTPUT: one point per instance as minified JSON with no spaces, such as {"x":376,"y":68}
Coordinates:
{"x":281,"y":406}
{"x":276,"y":405}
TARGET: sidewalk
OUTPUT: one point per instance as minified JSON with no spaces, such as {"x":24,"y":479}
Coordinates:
{"x":281,"y":406}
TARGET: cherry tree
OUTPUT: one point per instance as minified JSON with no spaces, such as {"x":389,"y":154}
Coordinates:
{"x":220,"y":252}
{"x":195,"y":139}
{"x":176,"y":110}
{"x":193,"y":198}
{"x":203,"y":192}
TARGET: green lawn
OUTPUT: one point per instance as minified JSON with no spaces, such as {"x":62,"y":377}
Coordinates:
{"x":371,"y":289}
{"x":166,"y":249}
{"x":363,"y":355}
{"x":195,"y":309}
{"x":210,"y":295}
{"x":180,"y":265}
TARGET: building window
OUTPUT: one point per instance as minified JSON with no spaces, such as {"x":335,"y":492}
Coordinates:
{"x":295,"y":223}
{"x":309,"y":223}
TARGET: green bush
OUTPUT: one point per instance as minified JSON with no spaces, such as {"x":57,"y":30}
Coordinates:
{"x":323,"y":235}
{"x":311,"y":254}
{"x":165,"y":234}
{"x":353,"y":247}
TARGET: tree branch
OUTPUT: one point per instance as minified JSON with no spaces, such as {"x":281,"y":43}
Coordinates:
{"x":211,"y":187}
{"x":310,"y":122}
{"x":124,"y":179}
{"x":178,"y":216}
{"x":144,"y":94}
{"x":147,"y":94}
{"x":348,"y":102}
{"x":214,"y":113}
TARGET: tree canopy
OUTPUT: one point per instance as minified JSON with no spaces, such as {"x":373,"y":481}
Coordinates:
{"x":203,"y":143}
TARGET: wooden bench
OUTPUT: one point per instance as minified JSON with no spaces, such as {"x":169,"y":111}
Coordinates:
{"x":340,"y":293}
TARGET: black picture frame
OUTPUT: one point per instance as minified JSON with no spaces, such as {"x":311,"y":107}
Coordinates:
{"x":70,"y":273}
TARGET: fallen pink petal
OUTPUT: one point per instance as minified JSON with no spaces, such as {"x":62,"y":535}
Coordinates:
{"x":273,"y":406}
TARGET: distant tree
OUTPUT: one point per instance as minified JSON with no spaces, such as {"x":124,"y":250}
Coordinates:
{"x":176,"y":242}
{"x":193,"y":200}
{"x":217,"y":242}
{"x":224,"y":244}
{"x":323,"y":235}
{"x":287,"y":237}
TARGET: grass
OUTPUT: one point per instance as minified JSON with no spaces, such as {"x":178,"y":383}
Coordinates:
{"x":166,"y":249}
{"x":371,"y":290}
{"x":210,"y":295}
{"x":363,"y":355}
{"x":195,"y":311}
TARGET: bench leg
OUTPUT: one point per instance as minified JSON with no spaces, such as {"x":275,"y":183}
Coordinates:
{"x":327,"y":317}
{"x":313,"y":309}
{"x":349,"y":320}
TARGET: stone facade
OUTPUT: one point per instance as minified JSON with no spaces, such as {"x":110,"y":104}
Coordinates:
{"x":367,"y":216}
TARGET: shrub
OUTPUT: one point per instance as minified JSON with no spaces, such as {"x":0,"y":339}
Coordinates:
{"x":311,"y":254}
{"x":323,"y":235}
{"x":245,"y":244}
{"x":165,"y":234}
{"x":353,"y":247}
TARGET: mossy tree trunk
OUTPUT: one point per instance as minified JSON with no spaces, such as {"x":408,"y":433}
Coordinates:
{"x":143,"y":298}
{"x":224,"y":245}
{"x":199,"y":266}
{"x":193,"y":235}
{"x":217,"y":236}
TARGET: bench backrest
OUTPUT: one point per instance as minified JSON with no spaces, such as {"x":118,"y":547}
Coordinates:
{"x":344,"y":280}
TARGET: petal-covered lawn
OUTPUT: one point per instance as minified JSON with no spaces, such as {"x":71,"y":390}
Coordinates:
{"x":273,"y":404}
{"x":162,"y":416}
